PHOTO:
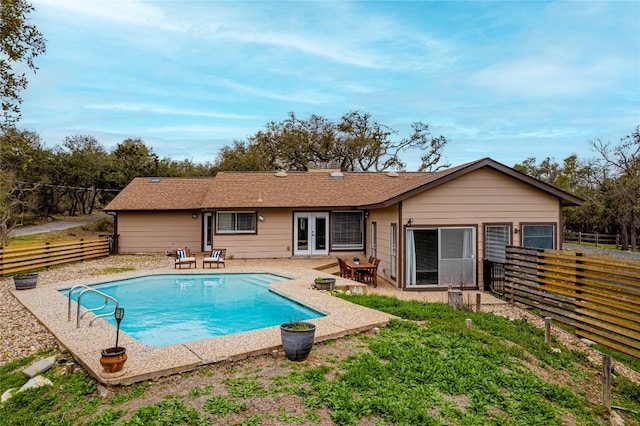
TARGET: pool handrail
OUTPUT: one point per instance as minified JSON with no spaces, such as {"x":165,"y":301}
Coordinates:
{"x":85,"y":289}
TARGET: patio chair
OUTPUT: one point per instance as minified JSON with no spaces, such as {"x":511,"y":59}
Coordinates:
{"x":345,"y":271}
{"x":217,"y":256}
{"x":183,"y":257}
{"x":370,"y":275}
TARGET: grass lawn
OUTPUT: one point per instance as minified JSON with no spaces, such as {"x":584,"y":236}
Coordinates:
{"x":428,"y":368}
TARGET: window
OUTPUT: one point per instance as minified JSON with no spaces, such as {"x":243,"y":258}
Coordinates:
{"x":346,"y":231}
{"x":538,"y":236}
{"x":235,"y":222}
{"x":496,"y":239}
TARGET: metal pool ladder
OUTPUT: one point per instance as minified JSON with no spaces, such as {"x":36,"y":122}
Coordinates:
{"x":86,"y":289}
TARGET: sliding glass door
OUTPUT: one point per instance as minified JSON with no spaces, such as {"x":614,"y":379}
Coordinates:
{"x":441,"y":257}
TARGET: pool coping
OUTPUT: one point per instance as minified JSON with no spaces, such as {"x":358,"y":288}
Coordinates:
{"x":148,"y":362}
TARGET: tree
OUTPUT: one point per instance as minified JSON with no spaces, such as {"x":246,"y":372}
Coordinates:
{"x":357,"y":143}
{"x":618,"y":173}
{"x":23,"y":161}
{"x":20,"y":43}
{"x":575,"y":177}
{"x":82,"y":161}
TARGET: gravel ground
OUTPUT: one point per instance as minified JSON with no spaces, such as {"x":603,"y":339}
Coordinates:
{"x":22,"y":334}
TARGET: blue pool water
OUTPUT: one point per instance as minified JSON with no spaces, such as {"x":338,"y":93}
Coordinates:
{"x":168,"y":309}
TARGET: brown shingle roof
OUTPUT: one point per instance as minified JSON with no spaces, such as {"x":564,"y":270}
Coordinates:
{"x":319,"y":188}
{"x":146,"y":193}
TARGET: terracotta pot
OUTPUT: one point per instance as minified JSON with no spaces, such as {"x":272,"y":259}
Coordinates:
{"x":113,"y":359}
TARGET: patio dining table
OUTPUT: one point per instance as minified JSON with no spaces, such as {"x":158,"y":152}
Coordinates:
{"x":362,"y":266}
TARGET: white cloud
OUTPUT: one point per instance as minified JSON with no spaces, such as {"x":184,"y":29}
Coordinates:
{"x":130,"y":12}
{"x":134,"y":107}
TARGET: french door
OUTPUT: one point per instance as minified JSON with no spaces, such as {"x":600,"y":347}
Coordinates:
{"x":310,"y":233}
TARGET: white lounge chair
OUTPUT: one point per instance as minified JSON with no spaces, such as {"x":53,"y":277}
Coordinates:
{"x":217,"y":256}
{"x":183,"y":257}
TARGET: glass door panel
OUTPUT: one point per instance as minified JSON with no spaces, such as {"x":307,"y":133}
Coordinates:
{"x":320,"y":240}
{"x":302,"y":233}
{"x":457,"y":257}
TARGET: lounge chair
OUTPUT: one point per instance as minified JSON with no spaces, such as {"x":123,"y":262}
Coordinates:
{"x":217,"y":257}
{"x":183,"y":257}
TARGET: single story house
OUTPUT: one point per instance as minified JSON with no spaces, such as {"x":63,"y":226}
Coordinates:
{"x":429,"y":229}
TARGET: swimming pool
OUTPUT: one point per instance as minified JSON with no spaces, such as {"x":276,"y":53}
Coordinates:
{"x":168,"y":309}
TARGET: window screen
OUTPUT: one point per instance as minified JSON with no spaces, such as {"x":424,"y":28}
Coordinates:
{"x":235,"y":222}
{"x":346,"y":230}
{"x":496,"y":238}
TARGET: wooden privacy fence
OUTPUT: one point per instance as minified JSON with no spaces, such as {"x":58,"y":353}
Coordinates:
{"x":598,"y":295}
{"x":15,"y":259}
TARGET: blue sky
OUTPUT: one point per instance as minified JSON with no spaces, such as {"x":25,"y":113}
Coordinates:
{"x":507,"y":80}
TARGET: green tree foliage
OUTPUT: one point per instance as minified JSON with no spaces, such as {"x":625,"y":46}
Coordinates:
{"x":575,"y":177}
{"x":356,"y":143}
{"x":76,"y":177}
{"x":617,"y":171}
{"x":20,"y":44}
{"x":82,"y":161}
{"x":23,"y":160}
{"x":609,"y":184}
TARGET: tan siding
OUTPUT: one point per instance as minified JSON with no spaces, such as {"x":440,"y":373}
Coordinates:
{"x":384,"y":218}
{"x":158,"y":232}
{"x":484,"y":196}
{"x":273,"y":239}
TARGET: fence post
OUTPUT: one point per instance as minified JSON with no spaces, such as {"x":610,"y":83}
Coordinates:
{"x":596,"y":239}
{"x":606,"y":381}
{"x":478,"y":296}
{"x":547,"y":330}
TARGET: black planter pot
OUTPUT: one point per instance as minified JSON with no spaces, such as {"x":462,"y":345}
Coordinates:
{"x":25,"y":281}
{"x":297,"y":339}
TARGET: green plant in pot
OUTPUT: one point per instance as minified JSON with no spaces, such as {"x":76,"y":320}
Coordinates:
{"x":322,"y":283}
{"x":113,"y":359}
{"x":297,"y":339}
{"x":356,"y":260}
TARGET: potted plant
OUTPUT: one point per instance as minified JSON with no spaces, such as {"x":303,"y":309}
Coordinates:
{"x":322,"y":283}
{"x":113,"y":359}
{"x":297,"y":339}
{"x":356,"y":260}
{"x":25,"y":281}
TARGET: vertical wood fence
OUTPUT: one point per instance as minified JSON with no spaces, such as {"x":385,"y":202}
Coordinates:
{"x":22,"y":258}
{"x":597,"y":295}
